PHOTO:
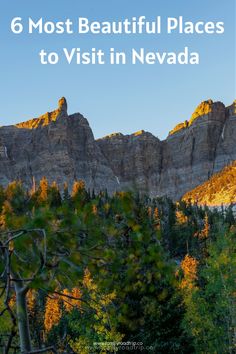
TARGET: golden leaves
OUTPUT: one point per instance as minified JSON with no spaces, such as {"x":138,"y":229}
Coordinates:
{"x":181,"y":218}
{"x":55,"y":304}
{"x":189,"y":267}
{"x":53,"y":312}
{"x":77,"y":187}
{"x":71,"y":300}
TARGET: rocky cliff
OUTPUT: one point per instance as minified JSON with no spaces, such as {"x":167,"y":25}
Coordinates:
{"x":57,"y":146}
{"x":190,"y":155}
{"x":62,"y":147}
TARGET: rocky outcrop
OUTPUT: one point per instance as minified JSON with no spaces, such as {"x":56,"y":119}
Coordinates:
{"x":188,"y":157}
{"x":57,"y":146}
{"x":46,"y":118}
{"x":203,"y":109}
{"x":62,"y":148}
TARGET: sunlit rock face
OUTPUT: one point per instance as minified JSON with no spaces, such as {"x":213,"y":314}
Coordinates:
{"x":46,"y":118}
{"x":62,"y":148}
{"x":203,"y":109}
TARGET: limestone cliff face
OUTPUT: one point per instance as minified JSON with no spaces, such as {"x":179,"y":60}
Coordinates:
{"x":135,"y":160}
{"x":62,"y":148}
{"x":191,"y":154}
{"x":57,"y":146}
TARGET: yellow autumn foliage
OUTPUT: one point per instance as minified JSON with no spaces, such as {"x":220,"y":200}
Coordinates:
{"x":70,"y":303}
{"x":189,"y":267}
{"x":53,"y":312}
{"x":181,"y":218}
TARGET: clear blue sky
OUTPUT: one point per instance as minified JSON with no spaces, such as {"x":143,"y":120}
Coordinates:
{"x":116,"y":98}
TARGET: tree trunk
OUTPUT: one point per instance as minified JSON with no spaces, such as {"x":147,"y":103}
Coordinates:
{"x":23,"y":320}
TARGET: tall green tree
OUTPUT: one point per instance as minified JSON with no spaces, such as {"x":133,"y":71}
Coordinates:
{"x":210,"y":299}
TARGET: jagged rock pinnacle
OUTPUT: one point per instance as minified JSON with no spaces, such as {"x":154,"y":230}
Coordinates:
{"x":46,"y":118}
{"x":62,"y":104}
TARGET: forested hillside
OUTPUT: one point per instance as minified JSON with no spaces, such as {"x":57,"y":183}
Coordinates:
{"x":91,"y":273}
{"x":219,"y":189}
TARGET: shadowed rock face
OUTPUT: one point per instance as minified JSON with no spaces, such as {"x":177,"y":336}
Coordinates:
{"x":135,"y":160}
{"x":63,"y":148}
{"x":189,"y":156}
{"x":57,"y":146}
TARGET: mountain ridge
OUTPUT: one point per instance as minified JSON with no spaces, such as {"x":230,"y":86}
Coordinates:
{"x":202,"y":109}
{"x":62,"y":147}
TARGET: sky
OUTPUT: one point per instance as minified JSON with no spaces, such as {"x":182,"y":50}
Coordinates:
{"x":115,"y":98}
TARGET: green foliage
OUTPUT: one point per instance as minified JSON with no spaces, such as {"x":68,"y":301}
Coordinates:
{"x":211,"y":303}
{"x":5,"y":320}
{"x":93,"y":321}
{"x":134,"y":249}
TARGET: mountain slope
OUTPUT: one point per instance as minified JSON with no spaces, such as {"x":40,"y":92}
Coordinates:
{"x":219,"y":189}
